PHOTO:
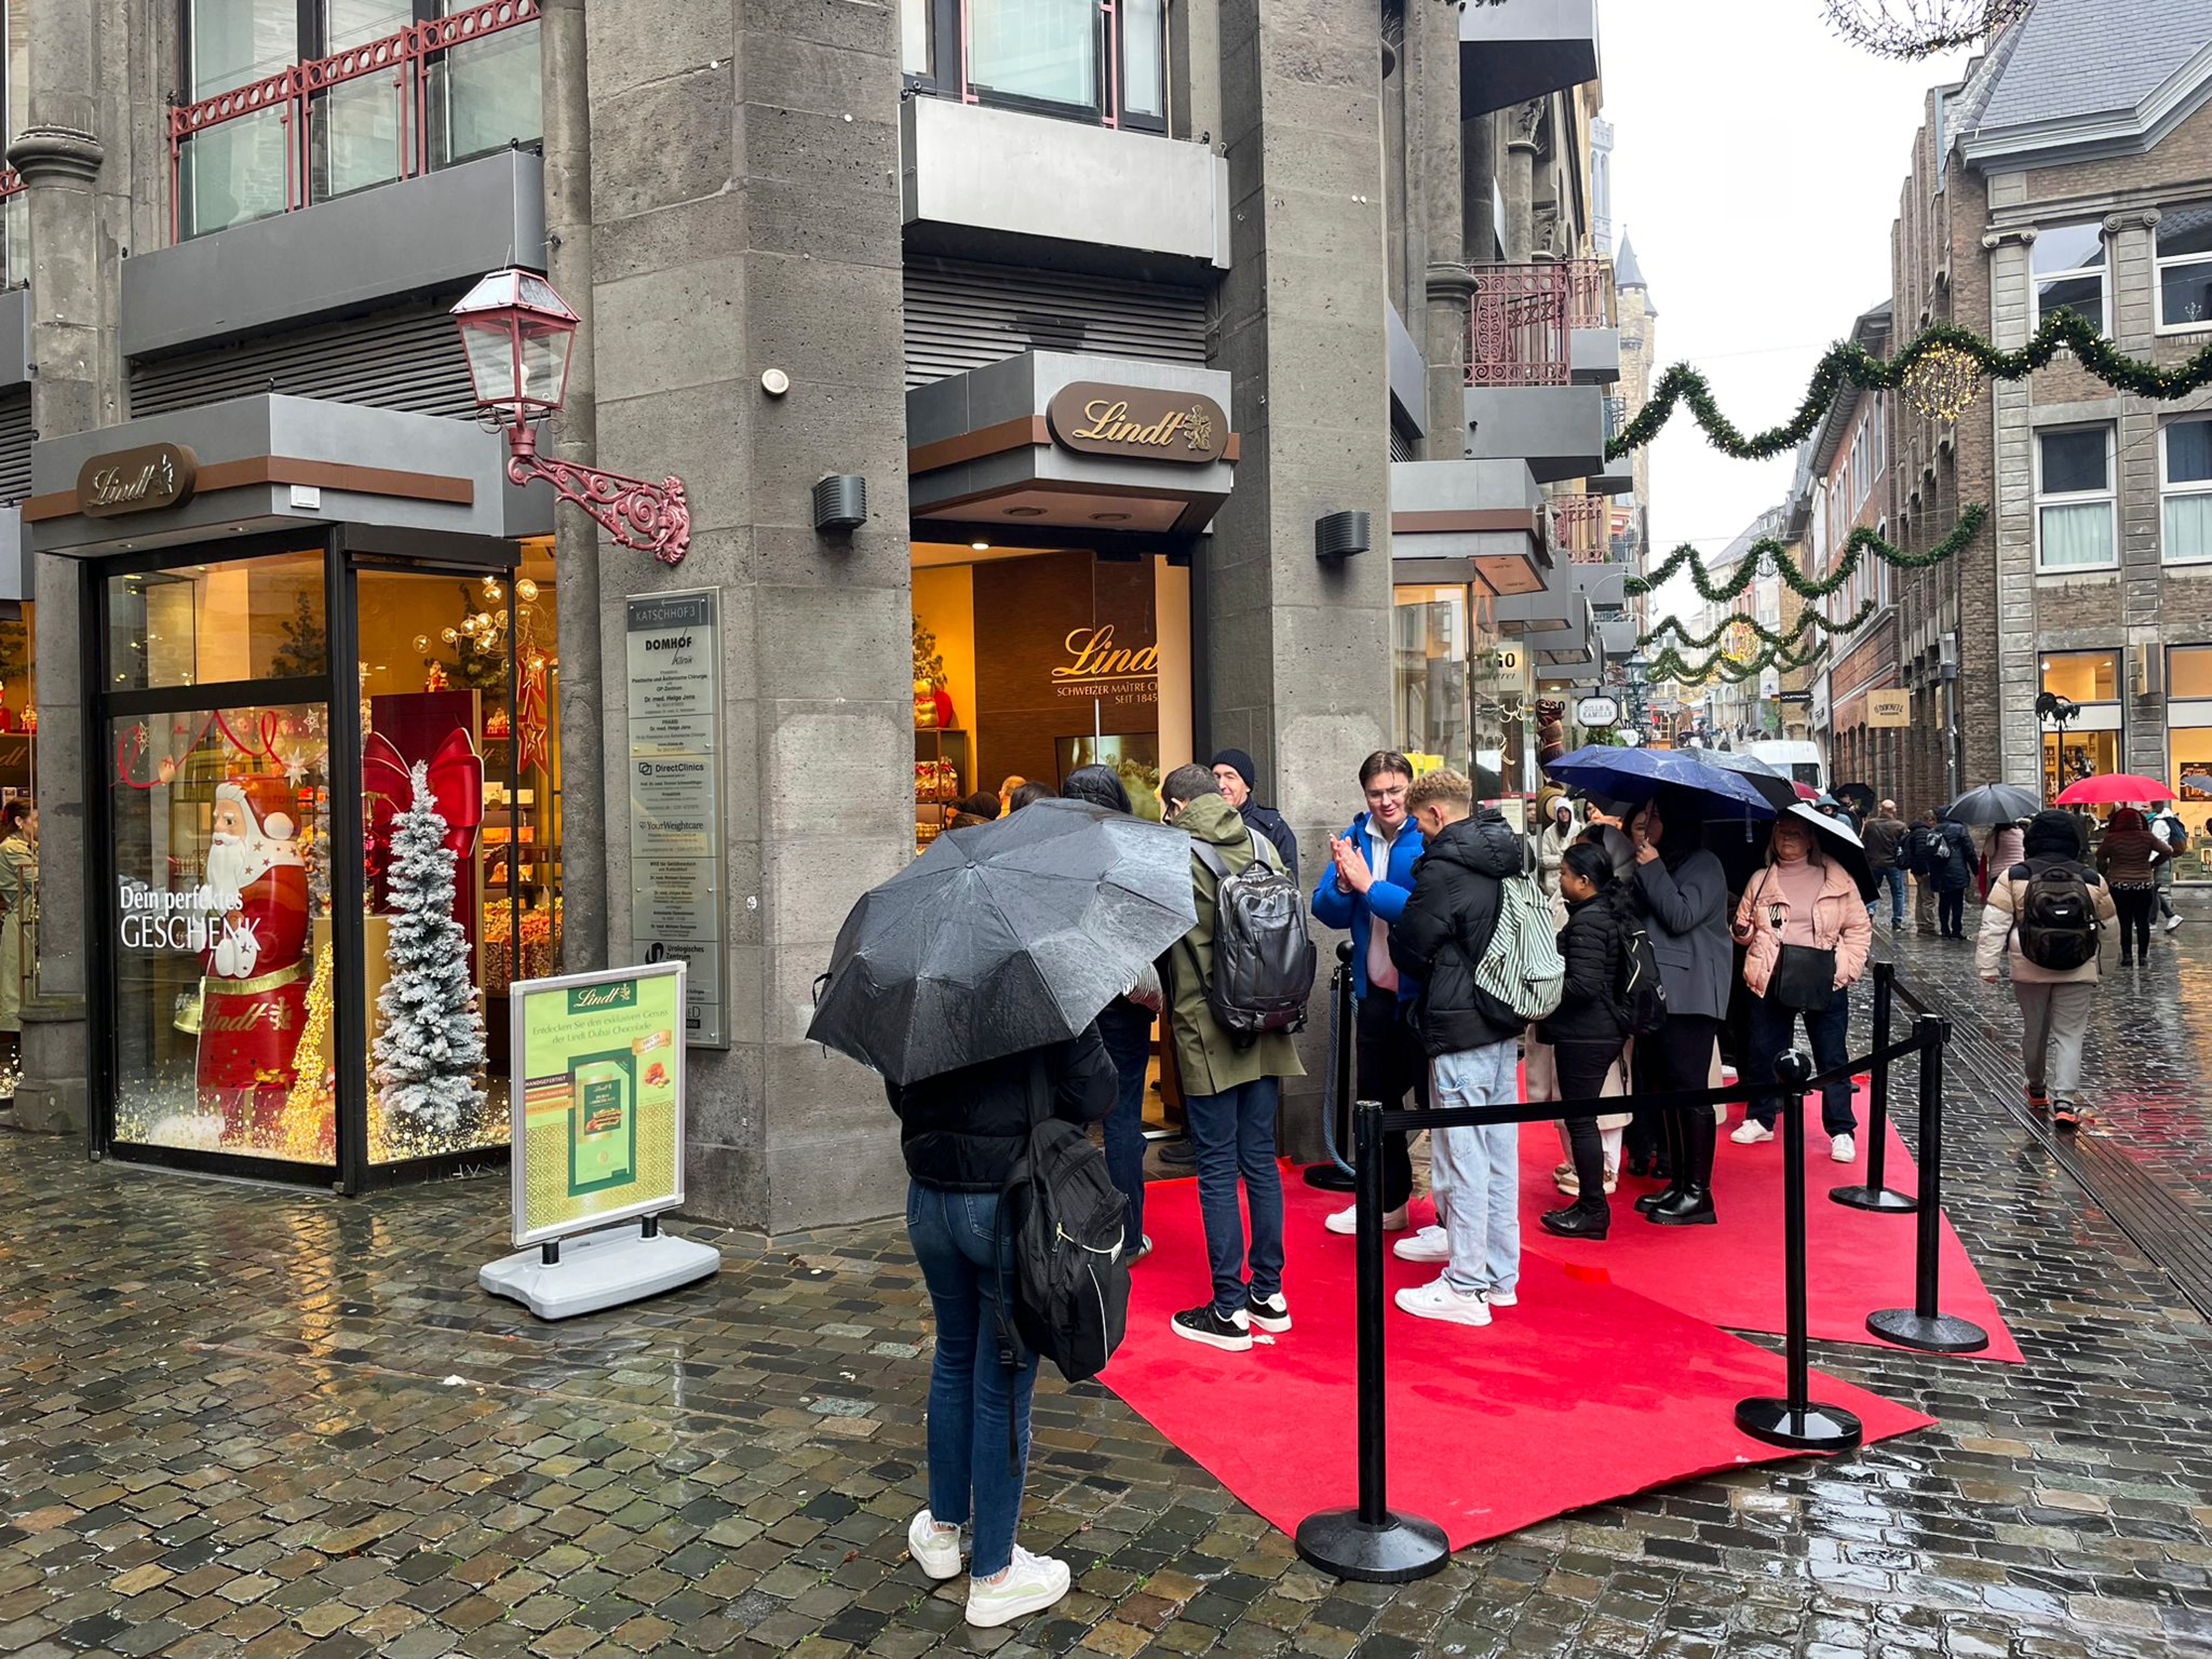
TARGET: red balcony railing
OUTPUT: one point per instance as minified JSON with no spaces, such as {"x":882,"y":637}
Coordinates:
{"x":295,"y":97}
{"x":14,"y":230}
{"x":1520,"y":323}
{"x":1579,"y":529}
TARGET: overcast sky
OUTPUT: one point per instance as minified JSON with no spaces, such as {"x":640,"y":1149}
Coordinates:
{"x":1758,"y":161}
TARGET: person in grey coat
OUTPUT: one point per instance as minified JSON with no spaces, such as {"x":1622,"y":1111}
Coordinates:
{"x":1682,"y":892}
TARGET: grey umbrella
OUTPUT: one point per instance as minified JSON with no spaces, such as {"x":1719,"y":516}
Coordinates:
{"x":1994,"y":803}
{"x":1002,"y":936}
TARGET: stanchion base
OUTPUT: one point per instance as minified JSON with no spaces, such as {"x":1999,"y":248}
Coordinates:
{"x":1403,"y":1549}
{"x":1881,"y":1198}
{"x":1327,"y":1177}
{"x":1937,"y":1334}
{"x":1819,"y":1428}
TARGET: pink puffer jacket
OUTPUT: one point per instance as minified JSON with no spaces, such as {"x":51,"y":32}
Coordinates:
{"x":1839,"y":924}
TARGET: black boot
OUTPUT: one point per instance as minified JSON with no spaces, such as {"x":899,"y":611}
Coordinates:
{"x":1692,"y":1206}
{"x":1670,"y":1135}
{"x":1586,"y":1218}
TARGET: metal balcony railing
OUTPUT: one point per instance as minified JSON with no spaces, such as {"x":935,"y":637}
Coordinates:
{"x":1578,"y":529}
{"x":1616,"y":416}
{"x":335,"y":130}
{"x":1522,"y":320}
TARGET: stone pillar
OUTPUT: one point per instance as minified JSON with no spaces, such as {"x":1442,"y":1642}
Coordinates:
{"x":1478,"y":142}
{"x":565,"y":101}
{"x":1297,"y":652}
{"x":74,"y":265}
{"x":2019,"y":663}
{"x":744,"y":189}
{"x":1436,"y":206}
{"x":1519,"y":182}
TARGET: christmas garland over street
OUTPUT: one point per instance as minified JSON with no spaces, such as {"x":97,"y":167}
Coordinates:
{"x":1766,"y":548}
{"x":1775,"y":639}
{"x":1849,"y":361}
{"x":1669,"y":665}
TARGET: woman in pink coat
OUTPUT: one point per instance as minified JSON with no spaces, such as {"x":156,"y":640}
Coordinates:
{"x":1805,"y":932}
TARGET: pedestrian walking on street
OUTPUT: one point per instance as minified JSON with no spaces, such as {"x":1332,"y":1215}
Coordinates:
{"x":1231,"y":1086}
{"x":1364,"y":889}
{"x":1471,"y":1039}
{"x":1949,"y":858}
{"x":1682,"y":891}
{"x":962,"y":1132}
{"x":1918,"y":859}
{"x":1125,"y":1026}
{"x":2003,"y":848}
{"x":2128,"y":857}
{"x":1884,"y":836}
{"x":1805,"y":934}
{"x":2174,"y":836}
{"x":1234,"y":771}
{"x":2043,"y":921}
{"x":1588,"y":1035}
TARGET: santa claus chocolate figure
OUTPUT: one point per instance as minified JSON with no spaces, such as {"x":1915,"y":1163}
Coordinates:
{"x":254,"y":992}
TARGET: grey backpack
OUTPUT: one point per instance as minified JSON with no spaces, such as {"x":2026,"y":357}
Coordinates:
{"x":1263,"y":954}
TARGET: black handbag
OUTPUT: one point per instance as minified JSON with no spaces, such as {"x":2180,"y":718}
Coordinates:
{"x":1804,"y":975}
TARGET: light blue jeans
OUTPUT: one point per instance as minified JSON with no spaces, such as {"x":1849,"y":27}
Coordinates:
{"x":1474,"y":1174}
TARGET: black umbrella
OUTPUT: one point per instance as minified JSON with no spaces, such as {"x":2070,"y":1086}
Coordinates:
{"x":1837,"y":839}
{"x":1994,"y":803}
{"x":1772,"y":783}
{"x":1859,"y":797}
{"x":1002,"y":937}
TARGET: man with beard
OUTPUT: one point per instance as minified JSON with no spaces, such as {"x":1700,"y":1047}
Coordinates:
{"x":254,"y":993}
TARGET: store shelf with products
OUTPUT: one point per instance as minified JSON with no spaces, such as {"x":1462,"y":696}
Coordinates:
{"x":943,"y":771}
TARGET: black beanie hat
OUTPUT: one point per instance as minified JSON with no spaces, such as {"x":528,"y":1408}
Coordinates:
{"x":2052,"y":834}
{"x":1243,"y":762}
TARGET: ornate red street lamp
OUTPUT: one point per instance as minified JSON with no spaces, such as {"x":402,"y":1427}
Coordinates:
{"x":517,"y":333}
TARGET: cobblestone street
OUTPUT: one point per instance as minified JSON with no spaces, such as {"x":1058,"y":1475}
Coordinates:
{"x":240,"y":1421}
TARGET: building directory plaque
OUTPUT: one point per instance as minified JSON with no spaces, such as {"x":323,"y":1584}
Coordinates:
{"x":677,"y":789}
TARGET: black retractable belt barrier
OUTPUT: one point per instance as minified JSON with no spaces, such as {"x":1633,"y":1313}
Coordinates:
{"x":1330,"y":1175}
{"x":1371,"y":1543}
{"x":1921,"y":1326}
{"x":1794,"y":1420}
{"x":1875,"y":1195}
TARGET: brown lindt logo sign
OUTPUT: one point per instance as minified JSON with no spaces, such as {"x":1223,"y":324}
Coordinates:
{"x":135,"y":480}
{"x":1135,"y":421}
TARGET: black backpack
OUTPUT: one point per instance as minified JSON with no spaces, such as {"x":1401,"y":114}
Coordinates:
{"x":1643,"y":992}
{"x":2055,"y":915}
{"x":1071,"y":1291}
{"x":2176,"y":836}
{"x":1263,"y":953}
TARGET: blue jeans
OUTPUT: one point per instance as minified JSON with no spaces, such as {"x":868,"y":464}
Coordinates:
{"x":1829,"y":1030}
{"x":1892,"y":878}
{"x":1475,"y":1174}
{"x":1234,"y":1134}
{"x":971,"y":1395}
{"x":1127,"y":1030}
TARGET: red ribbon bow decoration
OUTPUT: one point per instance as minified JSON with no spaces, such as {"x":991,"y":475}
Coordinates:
{"x":387,"y":788}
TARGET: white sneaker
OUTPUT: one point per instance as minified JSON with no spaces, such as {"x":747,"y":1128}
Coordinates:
{"x":1031,"y":1584}
{"x":2173,"y":922}
{"x":1750,"y":1133}
{"x":1431,"y":1243}
{"x":1502,"y":1298}
{"x":1441,"y":1299}
{"x":1843,"y":1149}
{"x":1347,"y":1221}
{"x":935,"y":1548}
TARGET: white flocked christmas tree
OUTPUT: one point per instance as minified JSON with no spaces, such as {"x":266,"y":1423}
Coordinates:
{"x":429,"y":1052}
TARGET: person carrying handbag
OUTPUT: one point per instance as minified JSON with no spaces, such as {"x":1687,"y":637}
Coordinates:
{"x":1805,"y":932}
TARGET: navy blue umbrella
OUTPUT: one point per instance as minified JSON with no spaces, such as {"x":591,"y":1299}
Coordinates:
{"x":1633,"y":776}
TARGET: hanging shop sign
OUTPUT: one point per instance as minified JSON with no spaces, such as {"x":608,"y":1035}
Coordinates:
{"x":1889,"y":708}
{"x":1097,"y":664}
{"x":1146,"y":422}
{"x":599,"y":1093}
{"x":677,"y":787}
{"x":1597,"y":712}
{"x":135,"y":480}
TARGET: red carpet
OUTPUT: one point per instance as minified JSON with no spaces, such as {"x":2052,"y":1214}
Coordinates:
{"x":1584,"y":1393}
{"x":1731,"y":1275}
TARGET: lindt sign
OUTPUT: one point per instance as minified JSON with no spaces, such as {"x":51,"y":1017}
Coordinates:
{"x":135,"y":480}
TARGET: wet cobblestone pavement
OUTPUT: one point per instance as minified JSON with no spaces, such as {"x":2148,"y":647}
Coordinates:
{"x":237,"y":1421}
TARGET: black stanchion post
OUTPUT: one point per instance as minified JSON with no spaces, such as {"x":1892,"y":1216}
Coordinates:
{"x":1371,"y":1543}
{"x":1921,"y":1326}
{"x":1794,"y":1420}
{"x":1875,"y":1195}
{"x":1325,"y":1175}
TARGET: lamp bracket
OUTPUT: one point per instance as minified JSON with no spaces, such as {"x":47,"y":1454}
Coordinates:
{"x":650,"y":518}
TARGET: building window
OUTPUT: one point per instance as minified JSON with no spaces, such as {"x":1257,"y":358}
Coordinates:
{"x":2185,"y":501}
{"x":2189,"y":673}
{"x":2184,"y":268}
{"x":2073,"y":499}
{"x":2068,"y":263}
{"x":432,"y":104}
{"x":1068,"y":57}
{"x":2091,"y":743}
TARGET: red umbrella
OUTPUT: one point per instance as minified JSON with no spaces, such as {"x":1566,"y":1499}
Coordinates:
{"x":1805,"y":790}
{"x":2113,"y":788}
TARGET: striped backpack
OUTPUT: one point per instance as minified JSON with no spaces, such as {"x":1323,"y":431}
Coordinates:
{"x":1523,"y":968}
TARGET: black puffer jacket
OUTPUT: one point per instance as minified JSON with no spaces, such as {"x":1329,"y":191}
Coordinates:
{"x":1591,"y":1009}
{"x":1447,"y":927}
{"x":963,"y":1130}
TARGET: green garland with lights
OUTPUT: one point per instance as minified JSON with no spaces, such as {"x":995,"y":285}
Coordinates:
{"x":1766,"y":549}
{"x":1848,"y":360}
{"x":1775,"y":639}
{"x":1670,"y":665}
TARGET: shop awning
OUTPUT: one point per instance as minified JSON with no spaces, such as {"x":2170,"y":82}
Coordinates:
{"x":1468,"y":521}
{"x":273,"y":463}
{"x":1098,"y":444}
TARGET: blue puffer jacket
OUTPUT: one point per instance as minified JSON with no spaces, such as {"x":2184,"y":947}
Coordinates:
{"x":1334,"y":907}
